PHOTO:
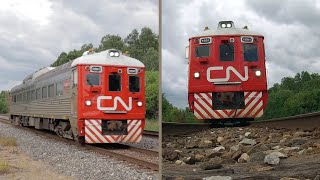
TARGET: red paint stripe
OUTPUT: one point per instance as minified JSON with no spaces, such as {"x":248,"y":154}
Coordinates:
{"x":199,"y":114}
{"x":206,"y":110}
{"x":94,"y":134}
{"x":134,"y":132}
{"x":252,"y":108}
{"x":258,"y":111}
{"x":249,"y":102}
{"x":89,"y":137}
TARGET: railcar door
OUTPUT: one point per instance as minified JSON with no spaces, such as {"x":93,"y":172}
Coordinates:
{"x":74,"y":103}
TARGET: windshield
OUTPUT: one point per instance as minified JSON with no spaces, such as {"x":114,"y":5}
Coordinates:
{"x":93,"y":79}
{"x":250,"y":52}
{"x":202,"y":51}
{"x":114,"y":82}
{"x":134,"y":84}
{"x":226,"y":52}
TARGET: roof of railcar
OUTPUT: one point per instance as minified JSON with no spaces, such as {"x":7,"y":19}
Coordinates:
{"x":227,"y":31}
{"x":103,"y":58}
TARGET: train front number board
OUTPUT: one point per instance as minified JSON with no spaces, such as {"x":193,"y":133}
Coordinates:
{"x":205,"y":40}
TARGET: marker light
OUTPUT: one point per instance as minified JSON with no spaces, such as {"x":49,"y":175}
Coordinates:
{"x":116,"y":54}
{"x":196,"y":75}
{"x":139,"y":103}
{"x":88,"y":103}
{"x":111,"y":54}
{"x":258,"y":73}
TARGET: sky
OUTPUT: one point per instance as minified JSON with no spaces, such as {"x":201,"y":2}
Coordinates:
{"x":290,"y":27}
{"x":34,"y":33}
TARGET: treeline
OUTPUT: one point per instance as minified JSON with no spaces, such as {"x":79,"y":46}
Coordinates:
{"x":294,"y":95}
{"x":4,"y":102}
{"x":140,"y":45}
{"x":174,"y":114}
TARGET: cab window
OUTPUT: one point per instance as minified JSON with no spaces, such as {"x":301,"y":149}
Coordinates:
{"x":93,"y":79}
{"x":134,"y":84}
{"x":114,"y":82}
{"x":202,"y":51}
{"x":250,"y":52}
{"x":226,"y":52}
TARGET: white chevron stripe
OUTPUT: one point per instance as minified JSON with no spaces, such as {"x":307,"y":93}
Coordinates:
{"x":205,"y":105}
{"x":131,"y":129}
{"x":201,"y":110}
{"x":256,"y":108}
{"x":249,"y":106}
{"x":197,"y":115}
{"x":260,"y":113}
{"x":92,"y":135}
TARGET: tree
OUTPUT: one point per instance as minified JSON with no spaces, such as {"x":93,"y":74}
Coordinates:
{"x":152,"y":94}
{"x":111,"y":42}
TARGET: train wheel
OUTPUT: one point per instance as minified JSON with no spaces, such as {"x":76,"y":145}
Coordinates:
{"x":81,"y":140}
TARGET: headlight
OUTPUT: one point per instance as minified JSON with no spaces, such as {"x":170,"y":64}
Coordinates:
{"x":139,"y":103}
{"x":116,"y":54}
{"x":111,"y":53}
{"x":196,"y":75}
{"x":88,"y":103}
{"x":258,"y":73}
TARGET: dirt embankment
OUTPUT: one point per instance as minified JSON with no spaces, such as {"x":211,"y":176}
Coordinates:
{"x":242,"y":153}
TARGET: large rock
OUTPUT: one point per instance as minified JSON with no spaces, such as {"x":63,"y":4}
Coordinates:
{"x":296,"y":142}
{"x":247,"y":134}
{"x":247,"y":141}
{"x":279,"y":154}
{"x":190,"y":160}
{"x":206,"y":143}
{"x":257,"y":157}
{"x":258,"y":148}
{"x":170,"y":155}
{"x":272,"y":159}
{"x":235,"y":148}
{"x":217,"y":151}
{"x":236,"y":155}
{"x":214,"y":163}
{"x":199,"y":157}
{"x":217,"y":178}
{"x":220,"y":139}
{"x":179,"y":162}
{"x":244,"y":158}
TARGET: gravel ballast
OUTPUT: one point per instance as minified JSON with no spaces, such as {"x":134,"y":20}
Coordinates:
{"x":69,"y":160}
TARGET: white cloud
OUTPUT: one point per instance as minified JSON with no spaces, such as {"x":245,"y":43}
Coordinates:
{"x":34,"y":33}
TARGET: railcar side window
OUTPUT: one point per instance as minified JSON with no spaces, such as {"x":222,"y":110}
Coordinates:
{"x":134,"y":84}
{"x":24,"y":96}
{"x":33,"y":95}
{"x":29,"y":96}
{"x":38,"y":93}
{"x":50,"y":91}
{"x":93,"y":79}
{"x":59,"y":89}
{"x":114,"y":82}
{"x":75,"y":77}
{"x":226,"y":52}
{"x":250,"y":52}
{"x":44,"y":92}
{"x":202,"y":51}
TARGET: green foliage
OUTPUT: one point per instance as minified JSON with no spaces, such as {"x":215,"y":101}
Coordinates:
{"x":142,"y":46}
{"x":297,"y":95}
{"x":4,"y":102}
{"x":174,"y":114}
{"x":152,"y":94}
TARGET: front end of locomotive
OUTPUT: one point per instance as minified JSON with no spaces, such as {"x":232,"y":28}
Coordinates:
{"x":227,"y":74}
{"x":111,"y":98}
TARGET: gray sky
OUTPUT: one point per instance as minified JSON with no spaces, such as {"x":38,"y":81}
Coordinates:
{"x":291,"y":30}
{"x":34,"y":33}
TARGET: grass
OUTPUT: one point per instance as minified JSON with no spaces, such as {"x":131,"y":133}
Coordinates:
{"x":4,"y":167}
{"x":8,"y":141}
{"x":152,"y":125}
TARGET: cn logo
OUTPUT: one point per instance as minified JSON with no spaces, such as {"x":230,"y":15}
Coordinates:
{"x":228,"y":71}
{"x":116,"y":101}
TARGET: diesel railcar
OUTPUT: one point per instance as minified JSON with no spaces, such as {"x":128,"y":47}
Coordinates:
{"x":227,"y":74}
{"x":96,"y":98}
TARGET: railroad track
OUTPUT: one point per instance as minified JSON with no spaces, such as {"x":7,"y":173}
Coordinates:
{"x":307,"y":121}
{"x":152,"y":134}
{"x":142,"y":157}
